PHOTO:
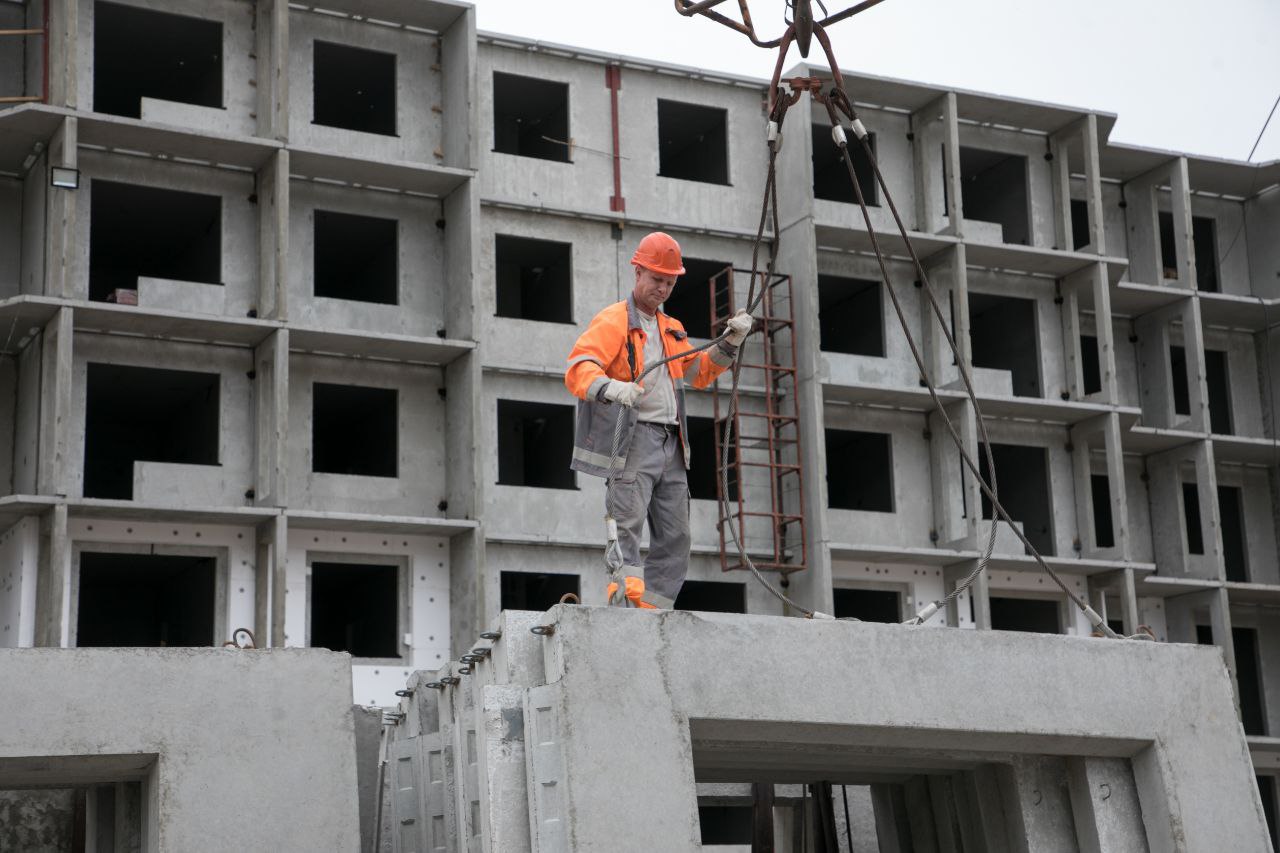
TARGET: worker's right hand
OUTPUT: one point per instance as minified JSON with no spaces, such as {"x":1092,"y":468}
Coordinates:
{"x":625,"y":393}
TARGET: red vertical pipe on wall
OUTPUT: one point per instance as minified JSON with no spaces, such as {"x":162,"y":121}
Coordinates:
{"x":613,"y":79}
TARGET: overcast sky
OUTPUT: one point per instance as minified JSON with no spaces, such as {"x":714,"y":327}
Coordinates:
{"x":1187,"y":76}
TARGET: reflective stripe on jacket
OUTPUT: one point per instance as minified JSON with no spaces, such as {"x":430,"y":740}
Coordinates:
{"x":602,"y":353}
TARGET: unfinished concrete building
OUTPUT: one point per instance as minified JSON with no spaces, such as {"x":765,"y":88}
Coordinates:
{"x":286,"y":293}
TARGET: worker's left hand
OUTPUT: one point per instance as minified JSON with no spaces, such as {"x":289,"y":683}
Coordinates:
{"x":739,"y":327}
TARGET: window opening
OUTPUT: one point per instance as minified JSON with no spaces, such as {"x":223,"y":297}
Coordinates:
{"x":831,"y":176}
{"x":1003,"y":336}
{"x":1103,"y":531}
{"x":145,"y":414}
{"x":534,"y":279}
{"x":693,"y":142}
{"x":868,"y":605}
{"x":712,"y":597}
{"x":535,"y":443}
{"x":725,"y":825}
{"x":141,"y":53}
{"x":1181,"y":389}
{"x":1218,"y":383}
{"x":1191,"y":517}
{"x":690,"y":299}
{"x":703,"y":461}
{"x":859,"y":470}
{"x":1022,"y":473}
{"x":354,"y":88}
{"x":850,"y":316}
{"x":1079,"y":224}
{"x":534,"y":590}
{"x":357,"y":257}
{"x":1204,"y":233}
{"x":354,"y":430}
{"x":145,"y":600}
{"x":1231,"y":514}
{"x":1090,"y":364}
{"x":995,"y":190}
{"x":1033,"y":615}
{"x":355,"y":608}
{"x":530,"y":117}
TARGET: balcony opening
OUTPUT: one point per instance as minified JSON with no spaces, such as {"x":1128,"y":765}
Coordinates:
{"x":1033,"y":615}
{"x":1191,"y":518}
{"x":354,"y":430}
{"x":1022,"y":475}
{"x":530,"y":117}
{"x":357,"y":257}
{"x":535,"y":443}
{"x":725,"y":825}
{"x":1204,"y":233}
{"x":693,"y":142}
{"x":1218,"y":382}
{"x":1079,"y":224}
{"x":534,"y":590}
{"x":690,"y":299}
{"x":152,"y":232}
{"x":1090,"y":364}
{"x":712,"y":597}
{"x":859,"y":470}
{"x":145,"y":600}
{"x":1104,"y":534}
{"x":141,"y":53}
{"x":850,"y":316}
{"x":355,"y":608}
{"x":1244,"y":641}
{"x":354,"y":88}
{"x":1003,"y":336}
{"x":994,"y":190}
{"x":703,"y":460}
{"x":534,"y":279}
{"x":145,"y":414}
{"x":1168,"y":246}
{"x":1181,"y":387}
{"x":868,"y":605}
{"x":831,"y":176}
{"x":1231,"y":515}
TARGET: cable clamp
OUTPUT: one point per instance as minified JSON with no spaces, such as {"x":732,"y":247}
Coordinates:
{"x":924,"y":615}
{"x":610,"y":529}
{"x":838,"y":137}
{"x":858,"y":128}
{"x":772,"y":133}
{"x":820,"y":615}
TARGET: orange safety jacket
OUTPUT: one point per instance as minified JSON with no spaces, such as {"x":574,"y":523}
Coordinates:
{"x":612,"y":347}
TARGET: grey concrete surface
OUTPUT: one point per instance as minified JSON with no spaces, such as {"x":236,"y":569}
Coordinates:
{"x":247,"y":750}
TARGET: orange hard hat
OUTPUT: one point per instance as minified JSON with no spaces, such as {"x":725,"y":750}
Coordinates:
{"x":659,"y":252}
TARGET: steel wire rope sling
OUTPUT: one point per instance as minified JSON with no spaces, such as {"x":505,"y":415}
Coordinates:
{"x":800,"y":29}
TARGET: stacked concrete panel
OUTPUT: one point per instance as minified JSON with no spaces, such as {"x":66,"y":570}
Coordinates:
{"x":362,"y":241}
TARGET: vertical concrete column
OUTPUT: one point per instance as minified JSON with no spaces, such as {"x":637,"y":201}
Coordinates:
{"x":1100,"y":280}
{"x":957,"y":500}
{"x":1083,"y":131}
{"x":271,"y":420}
{"x":1143,"y":224}
{"x":54,"y":466}
{"x":64,"y":41}
{"x":936,"y":140}
{"x":1093,"y":186}
{"x":273,"y":237}
{"x":1069,"y":311}
{"x":60,"y":215}
{"x":946,"y":272}
{"x":1113,"y":445}
{"x":272,"y":575}
{"x":1120,"y":581}
{"x":1101,"y":430}
{"x":272,"y":46}
{"x":1060,"y":172}
{"x":461,"y":124}
{"x":53,"y":579}
{"x":1180,"y":206}
{"x":1104,"y":805}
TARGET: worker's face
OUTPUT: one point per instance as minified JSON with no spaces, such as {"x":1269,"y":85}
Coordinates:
{"x":652,"y":289}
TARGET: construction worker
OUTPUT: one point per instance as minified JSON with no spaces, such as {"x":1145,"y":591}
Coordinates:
{"x":653,"y":452}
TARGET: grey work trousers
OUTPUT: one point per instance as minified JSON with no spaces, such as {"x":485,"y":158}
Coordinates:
{"x":653,"y":484}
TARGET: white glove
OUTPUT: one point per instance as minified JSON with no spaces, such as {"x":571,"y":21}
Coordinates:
{"x":739,"y":327}
{"x":625,"y":393}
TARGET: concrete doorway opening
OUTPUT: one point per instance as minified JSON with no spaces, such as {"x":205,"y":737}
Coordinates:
{"x":994,"y":188}
{"x":1022,"y":475}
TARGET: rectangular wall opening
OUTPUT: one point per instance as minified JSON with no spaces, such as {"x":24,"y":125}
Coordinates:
{"x":354,"y":88}
{"x":357,"y":257}
{"x":1003,"y":336}
{"x":145,"y":414}
{"x":1267,"y":790}
{"x":859,"y":470}
{"x":1181,"y":387}
{"x":1090,"y":364}
{"x":712,"y":596}
{"x":703,"y":460}
{"x":831,"y":176}
{"x":693,"y":142}
{"x":536,"y":591}
{"x":690,"y":299}
{"x":725,"y":825}
{"x":1168,"y":246}
{"x":535,"y":443}
{"x":1100,"y":490}
{"x":1079,"y":224}
{"x":1231,"y":514}
{"x":1249,"y":681}
{"x":868,"y":605}
{"x":354,"y":430}
{"x":530,"y":117}
{"x":1033,"y":615}
{"x":994,"y":189}
{"x":534,"y":279}
{"x":1022,"y":480}
{"x":1218,"y":382}
{"x":355,"y":608}
{"x":1204,"y":233}
{"x":1191,"y":518}
{"x":850,"y":316}
{"x":146,"y":600}
{"x":152,"y":232}
{"x":140,"y":53}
